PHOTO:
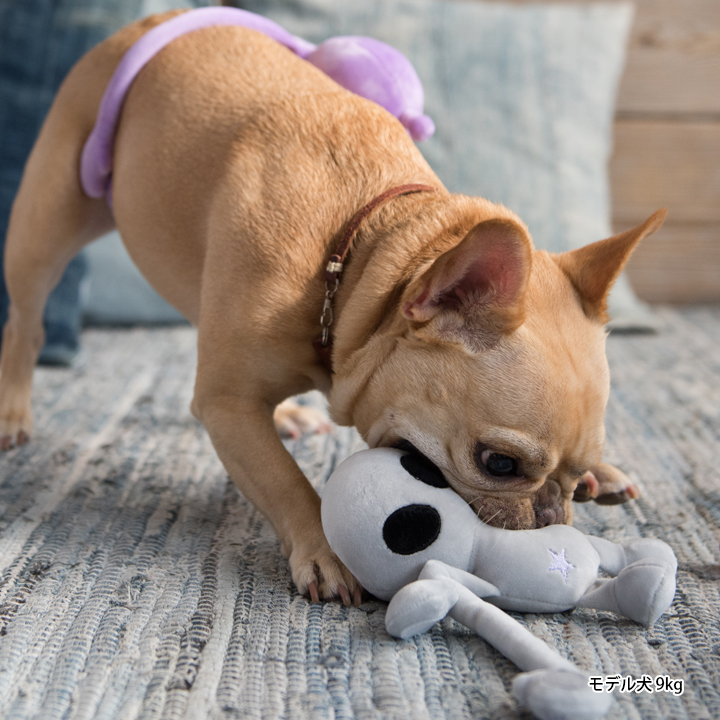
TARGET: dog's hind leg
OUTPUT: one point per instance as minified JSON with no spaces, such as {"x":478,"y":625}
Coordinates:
{"x":51,"y":220}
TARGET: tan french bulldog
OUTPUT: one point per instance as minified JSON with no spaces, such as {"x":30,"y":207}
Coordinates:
{"x":237,"y":166}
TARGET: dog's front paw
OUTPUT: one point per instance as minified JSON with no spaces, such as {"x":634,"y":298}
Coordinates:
{"x":606,"y":485}
{"x":318,"y":572}
{"x":15,"y":418}
{"x":292,"y":419}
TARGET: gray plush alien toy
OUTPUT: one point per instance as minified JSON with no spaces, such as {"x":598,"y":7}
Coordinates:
{"x":394,"y":521}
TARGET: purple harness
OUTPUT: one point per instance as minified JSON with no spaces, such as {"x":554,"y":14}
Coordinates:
{"x":365,"y":66}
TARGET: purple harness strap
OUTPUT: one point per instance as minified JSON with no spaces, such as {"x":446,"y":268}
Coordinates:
{"x":97,"y":156}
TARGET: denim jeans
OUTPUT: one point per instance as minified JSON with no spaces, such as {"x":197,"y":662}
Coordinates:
{"x":40,"y":40}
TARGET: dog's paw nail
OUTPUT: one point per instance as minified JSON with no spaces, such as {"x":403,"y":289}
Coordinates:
{"x":313,"y":590}
{"x":344,"y":595}
{"x":587,"y":488}
{"x":357,"y":596}
{"x":23,"y":438}
{"x":6,"y":442}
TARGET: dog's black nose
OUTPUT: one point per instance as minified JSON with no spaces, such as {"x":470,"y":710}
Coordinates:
{"x":549,"y":516}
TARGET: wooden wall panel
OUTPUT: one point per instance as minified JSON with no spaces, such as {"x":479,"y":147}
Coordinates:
{"x":667,"y":148}
{"x":679,"y":264}
{"x":666,"y":164}
{"x":673,"y":63}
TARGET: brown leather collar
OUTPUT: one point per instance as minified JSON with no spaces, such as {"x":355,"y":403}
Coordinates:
{"x":323,"y":344}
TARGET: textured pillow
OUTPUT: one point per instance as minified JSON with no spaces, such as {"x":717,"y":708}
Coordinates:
{"x":117,"y":293}
{"x":522,"y":96}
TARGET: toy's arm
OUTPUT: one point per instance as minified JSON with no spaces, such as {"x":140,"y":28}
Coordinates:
{"x":644,"y":584}
{"x":614,"y":557}
{"x":438,"y":570}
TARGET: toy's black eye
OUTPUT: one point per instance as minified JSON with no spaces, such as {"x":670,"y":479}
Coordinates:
{"x":497,"y":464}
{"x":411,"y":529}
{"x":424,"y":470}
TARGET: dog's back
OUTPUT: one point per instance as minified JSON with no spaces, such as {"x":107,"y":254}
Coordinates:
{"x":227,"y":132}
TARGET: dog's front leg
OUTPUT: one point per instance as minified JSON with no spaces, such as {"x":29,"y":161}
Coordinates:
{"x":244,"y":435}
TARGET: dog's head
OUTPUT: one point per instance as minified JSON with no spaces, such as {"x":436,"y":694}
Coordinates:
{"x":493,"y":366}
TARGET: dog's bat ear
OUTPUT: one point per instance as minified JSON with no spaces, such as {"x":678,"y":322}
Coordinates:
{"x":476,"y":289}
{"x":594,"y":268}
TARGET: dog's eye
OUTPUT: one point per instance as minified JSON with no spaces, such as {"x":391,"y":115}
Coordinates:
{"x":498,"y":464}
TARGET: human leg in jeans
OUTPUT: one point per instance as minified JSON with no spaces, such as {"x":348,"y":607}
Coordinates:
{"x":40,"y":40}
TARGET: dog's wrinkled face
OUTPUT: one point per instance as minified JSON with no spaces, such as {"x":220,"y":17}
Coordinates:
{"x":514,"y":426}
{"x":497,"y":373}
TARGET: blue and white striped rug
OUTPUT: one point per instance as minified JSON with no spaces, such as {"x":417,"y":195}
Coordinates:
{"x":135,"y":581}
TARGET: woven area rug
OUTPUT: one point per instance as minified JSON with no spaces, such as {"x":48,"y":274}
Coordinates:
{"x":137,"y":583}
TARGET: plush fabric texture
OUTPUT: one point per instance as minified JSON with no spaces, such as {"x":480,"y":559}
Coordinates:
{"x":363,"y":65}
{"x":136,"y":582}
{"x":411,"y":529}
{"x":402,"y":527}
{"x":423,"y":469}
{"x":400,"y":524}
{"x":522,"y":97}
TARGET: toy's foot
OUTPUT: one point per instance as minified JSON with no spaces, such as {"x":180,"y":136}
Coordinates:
{"x":560,"y":695}
{"x":645,"y":589}
{"x":418,"y":606}
{"x":293,"y":420}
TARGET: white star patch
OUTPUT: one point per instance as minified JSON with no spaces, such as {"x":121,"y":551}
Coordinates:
{"x":560,"y":563}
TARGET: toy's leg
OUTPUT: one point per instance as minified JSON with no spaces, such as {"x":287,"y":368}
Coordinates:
{"x":645,"y":584}
{"x":419,"y":605}
{"x":650,"y":548}
{"x":554,"y":688}
{"x":506,"y":634}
